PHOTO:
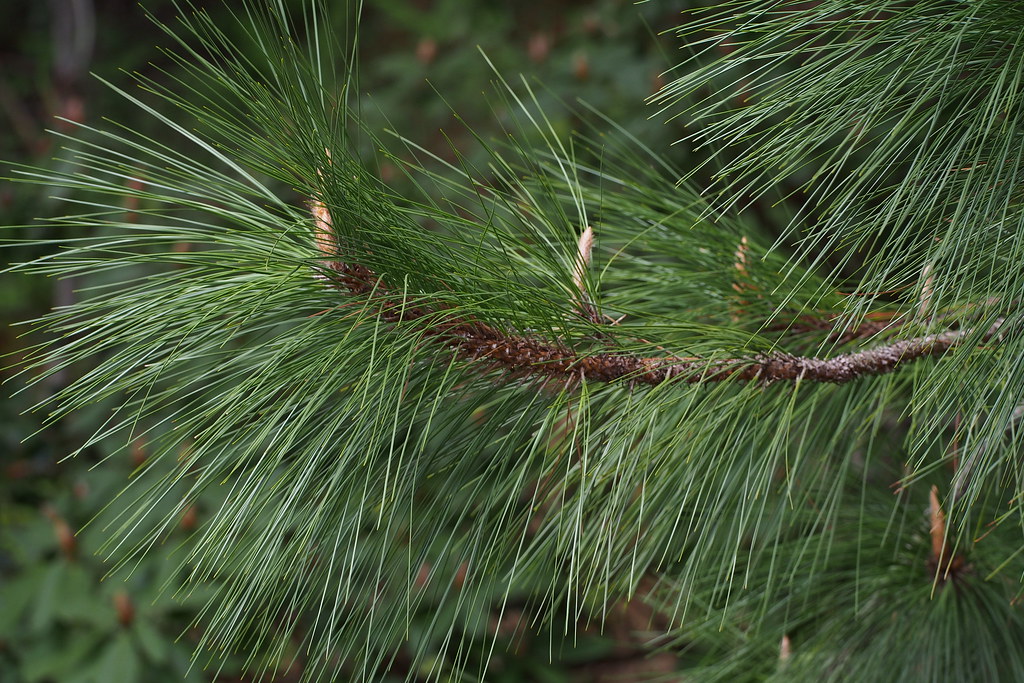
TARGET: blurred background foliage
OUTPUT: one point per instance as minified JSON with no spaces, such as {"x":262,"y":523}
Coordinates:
{"x":62,"y":618}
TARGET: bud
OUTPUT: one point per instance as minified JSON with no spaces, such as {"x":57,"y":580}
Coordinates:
{"x":124,"y":608}
{"x":189,"y":518}
{"x":581,"y":67}
{"x":66,"y":540}
{"x":538,"y":47}
{"x":426,"y":51}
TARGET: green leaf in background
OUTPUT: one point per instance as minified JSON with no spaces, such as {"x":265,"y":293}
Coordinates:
{"x":119,"y":661}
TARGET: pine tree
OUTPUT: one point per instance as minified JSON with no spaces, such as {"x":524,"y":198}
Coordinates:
{"x":577,"y":375}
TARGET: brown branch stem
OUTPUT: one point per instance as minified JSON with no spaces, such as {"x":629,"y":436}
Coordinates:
{"x":535,"y":357}
{"x":527,"y":355}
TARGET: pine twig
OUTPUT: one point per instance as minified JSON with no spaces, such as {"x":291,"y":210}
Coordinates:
{"x":527,"y":355}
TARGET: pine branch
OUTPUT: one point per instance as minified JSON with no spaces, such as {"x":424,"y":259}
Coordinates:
{"x":526,"y":355}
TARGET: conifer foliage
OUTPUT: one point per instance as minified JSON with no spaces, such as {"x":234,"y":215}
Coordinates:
{"x":578,"y":375}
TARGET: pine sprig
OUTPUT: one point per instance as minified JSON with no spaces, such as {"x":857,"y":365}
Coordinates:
{"x":446,"y":398}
